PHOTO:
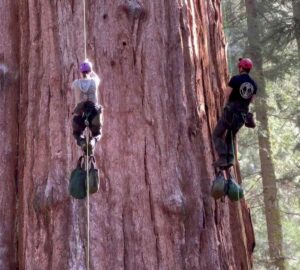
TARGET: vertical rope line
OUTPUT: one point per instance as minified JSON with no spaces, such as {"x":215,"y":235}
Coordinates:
{"x":87,"y":155}
{"x":232,"y":146}
{"x":84,"y":28}
{"x":233,"y":152}
{"x":87,"y":204}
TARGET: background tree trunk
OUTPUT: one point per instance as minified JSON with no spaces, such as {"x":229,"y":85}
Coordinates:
{"x":163,"y":68}
{"x":272,"y":210}
{"x":296,"y":15}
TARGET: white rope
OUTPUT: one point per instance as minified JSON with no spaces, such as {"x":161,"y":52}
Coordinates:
{"x":87,"y":155}
{"x":87,"y":203}
{"x":84,"y":28}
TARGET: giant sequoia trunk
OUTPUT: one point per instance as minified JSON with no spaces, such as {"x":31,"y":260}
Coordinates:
{"x":163,"y":69}
{"x":9,"y":98}
{"x":272,"y":211}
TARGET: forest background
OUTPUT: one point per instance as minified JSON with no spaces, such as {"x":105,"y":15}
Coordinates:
{"x":269,"y":32}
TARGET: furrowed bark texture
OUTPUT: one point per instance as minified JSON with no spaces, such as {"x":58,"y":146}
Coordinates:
{"x":9,"y":93}
{"x":272,"y":210}
{"x":163,"y":71}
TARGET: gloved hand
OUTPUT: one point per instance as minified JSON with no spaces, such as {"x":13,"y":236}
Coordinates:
{"x":250,"y":121}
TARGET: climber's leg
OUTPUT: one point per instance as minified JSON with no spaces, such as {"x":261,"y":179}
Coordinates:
{"x":96,"y":124}
{"x":237,"y":122}
{"x":219,"y":142}
{"x":78,"y":128}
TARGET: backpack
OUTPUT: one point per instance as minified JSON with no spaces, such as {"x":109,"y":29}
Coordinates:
{"x":222,"y":187}
{"x":94,"y":181}
{"x":234,"y":190}
{"x":78,"y":181}
{"x":218,"y":187}
{"x":77,"y":187}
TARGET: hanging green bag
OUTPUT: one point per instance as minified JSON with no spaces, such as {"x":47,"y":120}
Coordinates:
{"x":234,"y":190}
{"x":93,"y":177}
{"x":77,"y":184}
{"x":218,"y":187}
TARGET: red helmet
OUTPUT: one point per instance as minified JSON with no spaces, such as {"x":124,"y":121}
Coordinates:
{"x":245,"y":63}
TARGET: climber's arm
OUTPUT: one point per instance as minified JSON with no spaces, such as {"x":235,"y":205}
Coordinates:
{"x":76,"y":91}
{"x":96,"y":78}
{"x":227,"y":92}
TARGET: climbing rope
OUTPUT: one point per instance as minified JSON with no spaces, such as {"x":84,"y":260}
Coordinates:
{"x":232,"y":145}
{"x":84,"y":28}
{"x":88,"y":198}
{"x":87,"y":153}
{"x":87,"y":158}
{"x":233,"y":152}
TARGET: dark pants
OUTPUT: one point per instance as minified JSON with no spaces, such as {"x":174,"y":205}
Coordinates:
{"x":87,"y":111}
{"x":225,"y":131}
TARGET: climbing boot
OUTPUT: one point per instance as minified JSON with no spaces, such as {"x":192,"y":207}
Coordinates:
{"x":81,"y":141}
{"x":92,"y":144}
{"x":89,"y":148}
{"x":223,"y":162}
{"x":230,"y":159}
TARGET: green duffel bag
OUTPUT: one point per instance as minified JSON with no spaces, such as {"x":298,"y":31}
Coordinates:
{"x":77,"y":184}
{"x":234,"y":190}
{"x":218,"y":187}
{"x":93,"y":177}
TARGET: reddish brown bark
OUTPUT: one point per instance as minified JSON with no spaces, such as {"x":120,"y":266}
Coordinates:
{"x":9,"y":93}
{"x":163,"y":69}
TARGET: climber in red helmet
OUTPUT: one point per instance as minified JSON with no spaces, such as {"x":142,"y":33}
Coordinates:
{"x":241,"y":91}
{"x":88,"y":109}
